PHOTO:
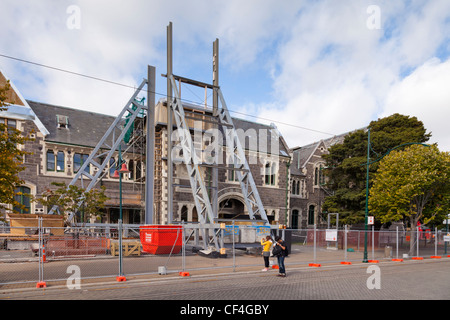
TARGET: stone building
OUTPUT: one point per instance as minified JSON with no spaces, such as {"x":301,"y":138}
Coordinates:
{"x":307,"y":183}
{"x":289,"y":181}
{"x":64,"y":138}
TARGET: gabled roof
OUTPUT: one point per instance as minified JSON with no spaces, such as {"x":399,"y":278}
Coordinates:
{"x":302,"y":155}
{"x":18,"y":107}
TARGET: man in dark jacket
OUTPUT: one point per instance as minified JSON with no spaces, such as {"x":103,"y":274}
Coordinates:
{"x":280,"y":256}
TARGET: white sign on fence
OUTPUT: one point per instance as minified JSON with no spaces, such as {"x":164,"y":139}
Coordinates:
{"x":331,"y":235}
{"x":447,"y":238}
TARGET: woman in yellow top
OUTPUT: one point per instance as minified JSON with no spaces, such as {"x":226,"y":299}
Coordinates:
{"x":267,"y":243}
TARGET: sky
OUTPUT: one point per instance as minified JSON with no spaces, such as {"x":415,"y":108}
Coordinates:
{"x":313,"y":68}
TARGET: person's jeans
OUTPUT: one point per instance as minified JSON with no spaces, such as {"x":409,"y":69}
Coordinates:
{"x":266,"y":261}
{"x":281,"y":264}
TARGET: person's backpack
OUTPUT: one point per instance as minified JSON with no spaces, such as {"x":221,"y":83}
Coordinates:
{"x":276,"y":250}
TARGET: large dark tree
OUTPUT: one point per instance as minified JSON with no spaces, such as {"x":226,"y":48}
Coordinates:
{"x":346,"y":162}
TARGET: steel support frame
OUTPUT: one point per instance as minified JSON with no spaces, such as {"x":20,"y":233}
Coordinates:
{"x":249,"y":191}
{"x":115,"y":140}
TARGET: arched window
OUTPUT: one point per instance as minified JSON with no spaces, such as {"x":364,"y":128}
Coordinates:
{"x":267,"y":174}
{"x":311,"y":210}
{"x":270,"y":173}
{"x":319,"y":178}
{"x":23,"y":199}
{"x":112,"y":167}
{"x":184,"y":214}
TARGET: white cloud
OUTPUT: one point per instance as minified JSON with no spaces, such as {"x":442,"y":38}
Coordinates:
{"x":425,"y":94}
{"x":336,"y":75}
{"x":330,"y":72}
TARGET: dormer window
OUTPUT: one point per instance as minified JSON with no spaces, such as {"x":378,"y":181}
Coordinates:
{"x":62,"y":121}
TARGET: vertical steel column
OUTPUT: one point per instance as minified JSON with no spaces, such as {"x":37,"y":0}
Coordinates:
{"x":150,"y":146}
{"x":215,"y":170}
{"x":169,"y":126}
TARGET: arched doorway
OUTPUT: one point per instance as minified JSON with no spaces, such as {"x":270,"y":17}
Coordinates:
{"x":231,"y":208}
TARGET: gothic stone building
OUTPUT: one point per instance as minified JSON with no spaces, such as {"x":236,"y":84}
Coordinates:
{"x":289,"y":181}
{"x":64,"y":138}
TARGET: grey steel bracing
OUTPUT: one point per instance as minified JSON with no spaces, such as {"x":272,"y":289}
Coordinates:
{"x":244,"y":175}
{"x":199,"y":191}
{"x":109,"y":142}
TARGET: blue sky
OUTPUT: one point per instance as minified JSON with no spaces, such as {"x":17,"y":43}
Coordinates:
{"x":313,"y":68}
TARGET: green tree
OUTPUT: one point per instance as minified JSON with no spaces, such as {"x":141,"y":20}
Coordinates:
{"x":412,"y":185}
{"x":74,"y":199}
{"x":11,"y":156}
{"x":346,"y":169}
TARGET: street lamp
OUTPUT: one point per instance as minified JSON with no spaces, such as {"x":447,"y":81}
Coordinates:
{"x":367,"y":185}
{"x":118,"y":174}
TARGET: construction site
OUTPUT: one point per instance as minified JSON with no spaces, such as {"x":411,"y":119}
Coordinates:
{"x":189,"y":187}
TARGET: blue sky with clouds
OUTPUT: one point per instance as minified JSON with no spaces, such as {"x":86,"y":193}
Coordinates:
{"x":313,"y":68}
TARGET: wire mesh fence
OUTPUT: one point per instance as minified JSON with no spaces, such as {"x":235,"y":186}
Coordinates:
{"x":43,"y":255}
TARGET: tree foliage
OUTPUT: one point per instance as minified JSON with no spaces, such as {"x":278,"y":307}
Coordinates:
{"x":74,"y":199}
{"x":11,"y":156}
{"x":346,"y":162}
{"x":412,"y":185}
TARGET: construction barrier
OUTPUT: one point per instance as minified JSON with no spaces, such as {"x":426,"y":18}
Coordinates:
{"x":49,"y":257}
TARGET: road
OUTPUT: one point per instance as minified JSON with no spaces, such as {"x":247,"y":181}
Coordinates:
{"x":409,"y":280}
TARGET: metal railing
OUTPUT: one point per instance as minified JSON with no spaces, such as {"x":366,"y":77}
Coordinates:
{"x":52,"y":254}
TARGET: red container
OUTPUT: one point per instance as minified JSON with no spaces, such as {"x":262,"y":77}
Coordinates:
{"x":161,"y":239}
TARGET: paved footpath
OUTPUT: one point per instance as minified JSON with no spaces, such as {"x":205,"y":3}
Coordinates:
{"x":249,"y":291}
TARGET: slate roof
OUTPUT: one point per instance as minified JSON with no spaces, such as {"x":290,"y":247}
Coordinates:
{"x":85,"y":128}
{"x":250,"y":126}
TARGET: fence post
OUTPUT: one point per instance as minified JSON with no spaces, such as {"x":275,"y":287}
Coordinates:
{"x":41,"y":283}
{"x":373,"y":242}
{"x":396,"y":242}
{"x":314,"y":243}
{"x":435,"y":241}
{"x":183,"y":249}
{"x":417,"y":241}
{"x":234,"y":257}
{"x":345,"y":242}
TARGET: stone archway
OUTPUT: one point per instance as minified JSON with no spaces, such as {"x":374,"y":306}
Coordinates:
{"x":232,"y":206}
